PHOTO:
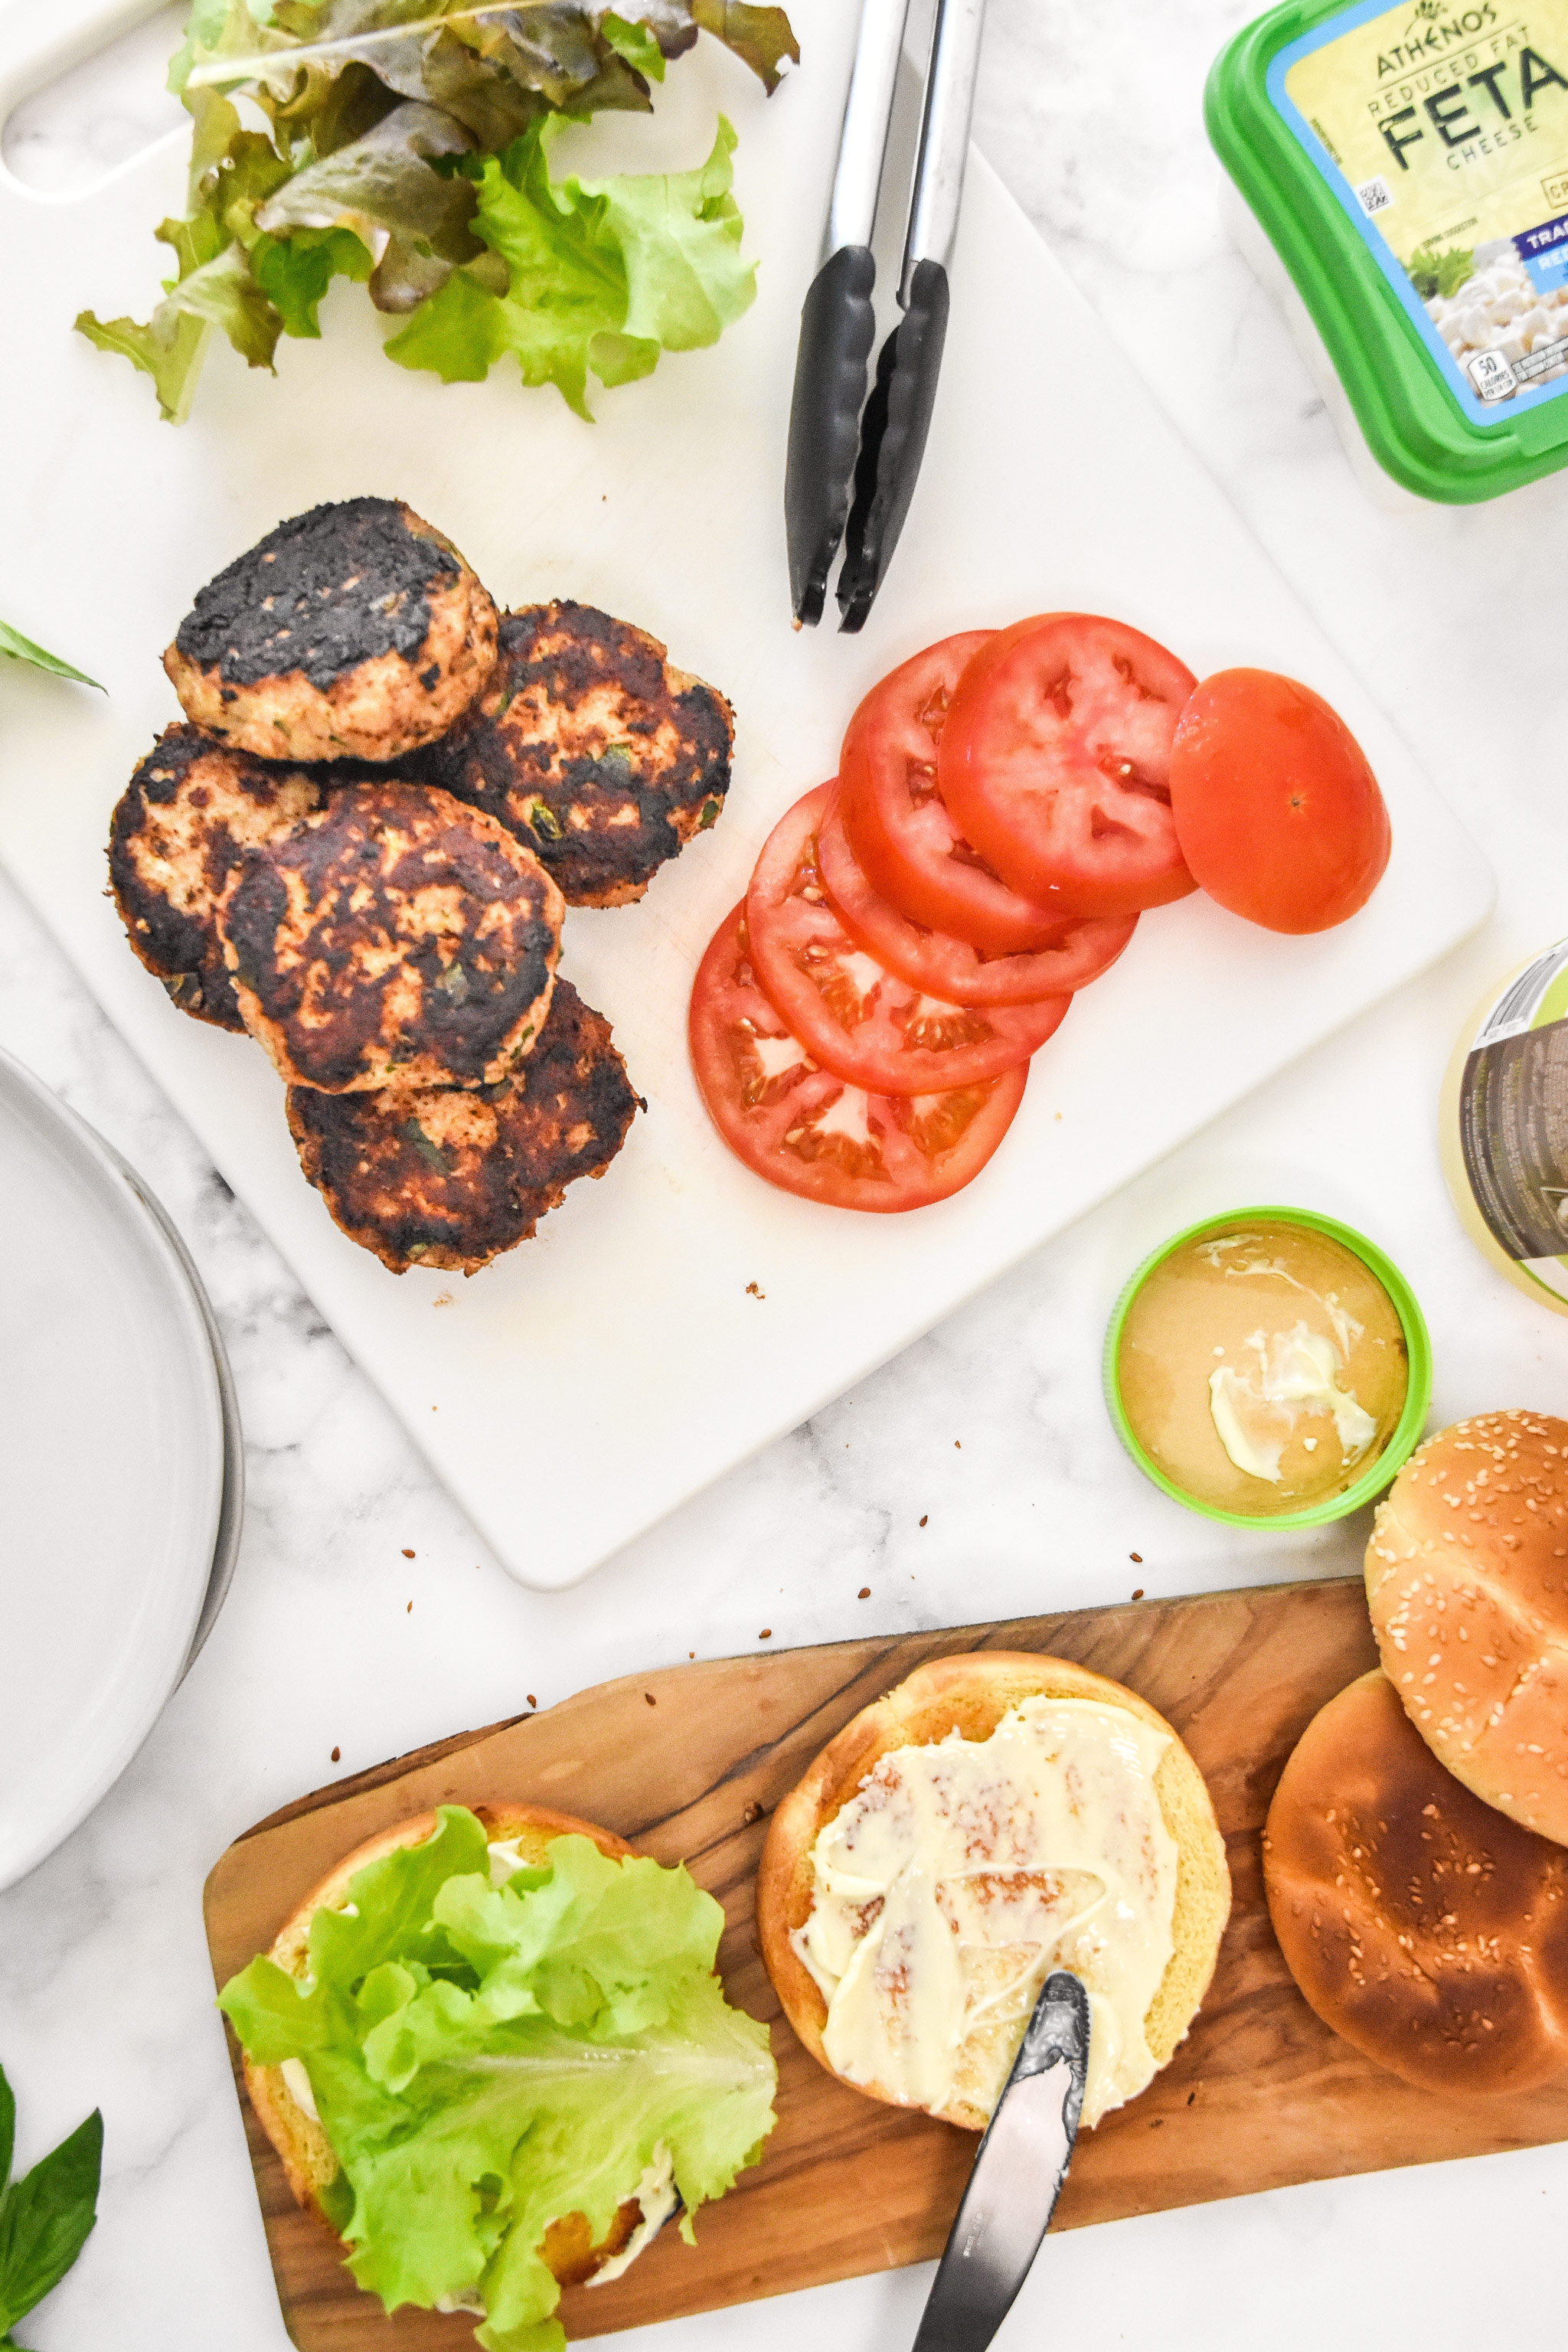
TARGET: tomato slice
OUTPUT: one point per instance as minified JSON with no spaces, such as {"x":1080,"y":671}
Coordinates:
{"x":1279,"y":814}
{"x":852,"y":1014}
{"x":806,"y":1131}
{"x":1056,"y":761}
{"x":1084,"y":946}
{"x":905,"y":843}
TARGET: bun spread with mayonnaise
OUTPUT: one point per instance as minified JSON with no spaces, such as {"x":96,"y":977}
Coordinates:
{"x":493,"y":2055}
{"x":1466,"y":1579}
{"x":1428,"y":1930}
{"x":997,"y":1816}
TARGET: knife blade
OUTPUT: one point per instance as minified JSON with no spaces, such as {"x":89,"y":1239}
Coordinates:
{"x":1016,"y":2178}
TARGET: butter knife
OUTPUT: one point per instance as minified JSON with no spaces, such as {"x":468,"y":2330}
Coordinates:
{"x":1017,"y":2177}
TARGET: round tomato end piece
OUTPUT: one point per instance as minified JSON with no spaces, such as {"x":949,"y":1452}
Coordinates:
{"x":1277,"y":809}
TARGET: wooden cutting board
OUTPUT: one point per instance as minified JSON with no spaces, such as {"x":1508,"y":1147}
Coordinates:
{"x":688,"y":1763}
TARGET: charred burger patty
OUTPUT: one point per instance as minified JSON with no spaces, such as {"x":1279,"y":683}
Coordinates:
{"x":597,"y":754}
{"x":176,"y":848}
{"x":450,"y":1177}
{"x":352,"y":632}
{"x":394,"y":937}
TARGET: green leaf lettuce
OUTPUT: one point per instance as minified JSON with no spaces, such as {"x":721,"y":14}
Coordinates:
{"x":601,"y":275}
{"x":403,"y":147}
{"x":488,"y":2059}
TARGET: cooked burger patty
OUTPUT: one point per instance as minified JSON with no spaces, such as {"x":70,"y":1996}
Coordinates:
{"x":450,"y":1177}
{"x":352,"y":632}
{"x":394,"y":936}
{"x":176,"y":846}
{"x":597,"y":754}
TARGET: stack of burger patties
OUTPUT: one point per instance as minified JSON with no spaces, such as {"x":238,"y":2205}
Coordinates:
{"x":360,"y":848}
{"x":1416,"y":1856}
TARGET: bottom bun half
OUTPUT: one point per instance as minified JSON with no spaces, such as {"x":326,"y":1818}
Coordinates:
{"x":306,"y":2153}
{"x":971,"y":1694}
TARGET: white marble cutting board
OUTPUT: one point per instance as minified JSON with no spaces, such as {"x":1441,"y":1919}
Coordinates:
{"x":583,"y":1386}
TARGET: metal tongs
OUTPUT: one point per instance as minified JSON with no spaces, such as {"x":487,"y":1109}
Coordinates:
{"x":1017,"y":2177}
{"x":833,"y":449}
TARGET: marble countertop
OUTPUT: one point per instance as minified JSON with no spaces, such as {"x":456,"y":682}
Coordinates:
{"x":1455,"y":619}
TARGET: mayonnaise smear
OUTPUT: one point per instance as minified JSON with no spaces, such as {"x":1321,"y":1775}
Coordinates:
{"x":1298,"y":1371}
{"x":962,"y":1873}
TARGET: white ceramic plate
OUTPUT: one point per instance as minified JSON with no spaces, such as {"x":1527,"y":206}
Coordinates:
{"x":231,"y":1510}
{"x":671,"y":1319}
{"x":111,"y":1471}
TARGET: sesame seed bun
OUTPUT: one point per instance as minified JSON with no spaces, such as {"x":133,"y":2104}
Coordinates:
{"x":1466,"y":1579}
{"x":1427,"y":1929}
{"x":307,"y":2154}
{"x":971,"y":1694}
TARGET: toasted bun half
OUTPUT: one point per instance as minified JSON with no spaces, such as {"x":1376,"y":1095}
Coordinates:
{"x":1428,"y":1930}
{"x":971,"y":1694}
{"x":306,"y":2152}
{"x":1467,"y":1578}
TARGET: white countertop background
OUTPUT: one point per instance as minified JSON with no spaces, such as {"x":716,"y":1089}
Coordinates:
{"x":1455,"y":619}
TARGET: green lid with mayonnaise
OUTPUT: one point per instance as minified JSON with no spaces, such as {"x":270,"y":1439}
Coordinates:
{"x":1381,"y":1466}
{"x":1410,"y":167}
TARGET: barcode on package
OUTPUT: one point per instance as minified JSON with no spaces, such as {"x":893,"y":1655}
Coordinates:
{"x":1373,"y":196}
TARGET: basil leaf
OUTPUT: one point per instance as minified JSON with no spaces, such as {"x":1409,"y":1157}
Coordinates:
{"x":20,"y":648}
{"x":7,"y":2101}
{"x":46,"y":2217}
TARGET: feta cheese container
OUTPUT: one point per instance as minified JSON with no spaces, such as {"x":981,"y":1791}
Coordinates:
{"x":1409,"y":167}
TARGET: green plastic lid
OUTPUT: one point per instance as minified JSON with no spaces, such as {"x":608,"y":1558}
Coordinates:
{"x":1410,"y":167}
{"x":1383,"y":1467}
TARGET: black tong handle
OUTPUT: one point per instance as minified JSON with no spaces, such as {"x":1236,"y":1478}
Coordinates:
{"x":836,"y":328}
{"x":892,"y":441}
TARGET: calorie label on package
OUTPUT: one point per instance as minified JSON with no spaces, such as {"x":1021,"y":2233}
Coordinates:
{"x":1445,"y":131}
{"x":1514,"y":1129}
